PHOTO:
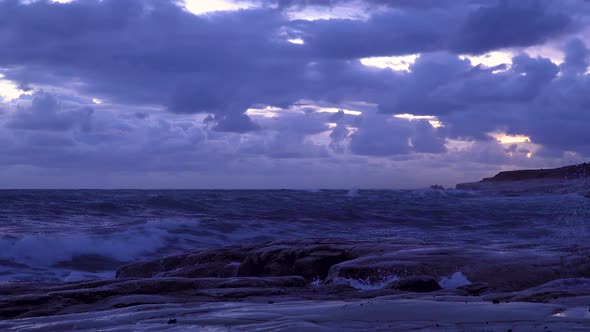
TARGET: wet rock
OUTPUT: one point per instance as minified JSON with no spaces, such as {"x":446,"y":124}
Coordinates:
{"x":556,"y":289}
{"x":173,"y":285}
{"x":417,"y":284}
{"x":90,"y":263}
{"x":57,"y":298}
{"x":328,"y":260}
{"x":506,"y":271}
{"x":285,"y":270}
{"x":475,"y":289}
{"x":148,"y":269}
{"x":214,"y":263}
{"x":309,"y":260}
{"x":399,"y":263}
{"x":241,"y":293}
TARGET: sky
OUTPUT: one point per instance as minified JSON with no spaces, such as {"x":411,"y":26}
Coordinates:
{"x":301,"y":94}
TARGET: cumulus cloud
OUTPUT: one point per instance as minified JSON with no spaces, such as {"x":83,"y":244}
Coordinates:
{"x":46,"y":112}
{"x":176,"y":86}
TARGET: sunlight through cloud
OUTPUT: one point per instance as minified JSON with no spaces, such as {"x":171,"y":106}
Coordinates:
{"x":397,"y":63}
{"x":10,"y":91}
{"x":433,"y":120}
{"x":297,"y":41}
{"x":267,"y":112}
{"x":339,"y":10}
{"x":510,"y":139}
{"x":491,"y":59}
{"x":335,"y":110}
{"x":200,"y":7}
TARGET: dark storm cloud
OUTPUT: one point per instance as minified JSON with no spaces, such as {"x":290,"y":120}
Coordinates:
{"x":386,"y":3}
{"x":47,"y":113}
{"x":136,"y":53}
{"x":577,"y":58}
{"x":153,"y":52}
{"x":472,"y":29}
{"x":510,"y":23}
{"x":376,"y":137}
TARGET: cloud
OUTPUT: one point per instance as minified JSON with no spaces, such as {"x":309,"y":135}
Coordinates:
{"x":47,"y":113}
{"x":154,"y":52}
{"x":577,"y":58}
{"x":510,"y":23}
{"x":176,"y":86}
{"x":378,"y":135}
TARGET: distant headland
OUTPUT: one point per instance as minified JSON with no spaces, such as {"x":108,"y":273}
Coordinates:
{"x":568,"y":179}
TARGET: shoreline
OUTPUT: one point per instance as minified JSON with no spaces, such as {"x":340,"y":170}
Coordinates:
{"x":294,"y":285}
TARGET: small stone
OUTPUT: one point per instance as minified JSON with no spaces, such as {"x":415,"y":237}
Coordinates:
{"x":172,"y":321}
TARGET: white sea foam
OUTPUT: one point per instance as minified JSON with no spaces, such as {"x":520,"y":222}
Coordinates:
{"x":454,"y":281}
{"x":365,"y":284}
{"x":46,"y":250}
{"x":354,"y":192}
{"x":41,"y":250}
{"x":457,"y":280}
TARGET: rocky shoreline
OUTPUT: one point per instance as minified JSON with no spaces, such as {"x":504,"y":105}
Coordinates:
{"x":563,"y":180}
{"x":309,"y":284}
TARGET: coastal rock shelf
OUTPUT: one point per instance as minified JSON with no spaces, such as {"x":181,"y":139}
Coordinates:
{"x":278,"y":285}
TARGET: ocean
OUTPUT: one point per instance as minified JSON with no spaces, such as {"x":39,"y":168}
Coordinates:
{"x":72,"y":235}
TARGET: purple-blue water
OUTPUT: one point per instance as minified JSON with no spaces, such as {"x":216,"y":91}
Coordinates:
{"x":82,"y":234}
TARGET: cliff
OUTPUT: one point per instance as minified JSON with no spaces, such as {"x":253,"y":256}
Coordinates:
{"x":568,"y":179}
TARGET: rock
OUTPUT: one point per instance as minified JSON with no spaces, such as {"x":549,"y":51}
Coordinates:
{"x":55,"y":299}
{"x":504,"y":271}
{"x":560,"y":288}
{"x":310,"y":260}
{"x":172,"y":321}
{"x":417,"y":284}
{"x":90,"y":263}
{"x":437,"y":187}
{"x":568,"y":179}
{"x":475,"y":289}
{"x":283,"y":271}
{"x":400,"y":263}
{"x":210,"y":263}
{"x":562,"y":173}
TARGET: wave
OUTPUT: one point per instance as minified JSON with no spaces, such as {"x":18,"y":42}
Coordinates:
{"x":68,"y":229}
{"x":429,"y":193}
{"x":352,"y":193}
{"x":452,"y":282}
{"x":73,"y":255}
{"x":42,"y":250}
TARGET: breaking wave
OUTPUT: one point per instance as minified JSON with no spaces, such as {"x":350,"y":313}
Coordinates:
{"x":46,"y":232}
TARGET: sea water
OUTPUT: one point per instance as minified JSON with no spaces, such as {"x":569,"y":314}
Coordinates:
{"x":72,"y":235}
